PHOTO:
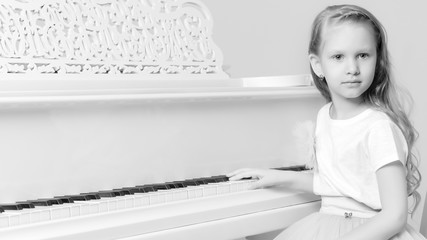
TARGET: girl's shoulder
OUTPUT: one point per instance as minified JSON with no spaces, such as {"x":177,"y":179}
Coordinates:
{"x":378,"y":117}
{"x":324,"y":110}
{"x":369,"y":112}
{"x":369,"y":120}
{"x":371,"y":115}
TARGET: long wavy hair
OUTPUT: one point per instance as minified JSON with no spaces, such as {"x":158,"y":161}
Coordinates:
{"x":383,"y":93}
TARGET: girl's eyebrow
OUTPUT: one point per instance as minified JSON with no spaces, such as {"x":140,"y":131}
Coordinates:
{"x":362,"y":49}
{"x":367,"y":48}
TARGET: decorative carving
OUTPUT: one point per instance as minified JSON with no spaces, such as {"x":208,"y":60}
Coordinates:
{"x":146,"y":37}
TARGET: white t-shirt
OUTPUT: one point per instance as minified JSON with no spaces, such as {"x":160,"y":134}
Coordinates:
{"x":349,"y":152}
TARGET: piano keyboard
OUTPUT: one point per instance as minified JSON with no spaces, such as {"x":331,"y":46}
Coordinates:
{"x":60,"y":207}
{"x":140,"y":210}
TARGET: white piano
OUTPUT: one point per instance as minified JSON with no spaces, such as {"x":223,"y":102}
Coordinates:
{"x":100,"y":96}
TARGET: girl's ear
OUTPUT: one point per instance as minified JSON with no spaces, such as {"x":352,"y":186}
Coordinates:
{"x":315,"y":64}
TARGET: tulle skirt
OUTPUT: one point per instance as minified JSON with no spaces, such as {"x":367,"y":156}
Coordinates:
{"x":321,"y":226}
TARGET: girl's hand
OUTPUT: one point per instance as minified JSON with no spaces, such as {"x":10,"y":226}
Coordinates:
{"x":267,"y":177}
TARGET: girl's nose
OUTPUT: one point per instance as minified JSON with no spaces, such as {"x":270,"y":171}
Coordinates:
{"x":353,"y":67}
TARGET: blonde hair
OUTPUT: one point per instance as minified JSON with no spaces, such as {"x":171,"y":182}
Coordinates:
{"x":383,"y":93}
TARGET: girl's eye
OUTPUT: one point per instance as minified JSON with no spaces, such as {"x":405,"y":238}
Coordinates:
{"x":363,"y":55}
{"x":337,"y":57}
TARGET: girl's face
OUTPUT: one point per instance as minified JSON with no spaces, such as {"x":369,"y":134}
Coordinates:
{"x":347,"y":58}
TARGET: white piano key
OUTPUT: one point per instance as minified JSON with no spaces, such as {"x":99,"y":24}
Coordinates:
{"x":209,"y":190}
{"x":74,"y":209}
{"x":121,"y":203}
{"x":45,"y":215}
{"x":223,"y":188}
{"x":24,"y":217}
{"x":13,"y":220}
{"x":104,"y":205}
{"x":14,"y":217}
{"x":180,"y":194}
{"x":141,"y":199}
{"x":60,"y":211}
{"x":169,"y":195}
{"x":238,"y":186}
{"x":158,"y":197}
{"x":245,"y":185}
{"x":194,"y":192}
{"x":234,"y":187}
{"x":39,"y":214}
{"x":89,"y":207}
{"x":111,"y":204}
{"x":4,"y":220}
{"x":173,"y":195}
{"x":129,"y":201}
{"x":36,"y":216}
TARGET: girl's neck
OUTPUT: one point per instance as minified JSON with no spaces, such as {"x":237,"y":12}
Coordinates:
{"x":341,"y":110}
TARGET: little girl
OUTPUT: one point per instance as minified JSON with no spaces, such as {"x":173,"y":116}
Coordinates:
{"x":365,"y":168}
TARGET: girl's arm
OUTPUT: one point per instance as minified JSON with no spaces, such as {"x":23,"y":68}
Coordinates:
{"x":268,"y":177}
{"x":394,"y":200}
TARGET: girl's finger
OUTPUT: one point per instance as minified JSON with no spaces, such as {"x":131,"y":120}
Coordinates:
{"x":240,"y":176}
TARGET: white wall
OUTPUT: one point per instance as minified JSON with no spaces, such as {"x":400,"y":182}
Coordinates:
{"x":270,"y":37}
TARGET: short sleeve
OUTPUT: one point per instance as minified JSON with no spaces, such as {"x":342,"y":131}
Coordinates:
{"x":386,"y":144}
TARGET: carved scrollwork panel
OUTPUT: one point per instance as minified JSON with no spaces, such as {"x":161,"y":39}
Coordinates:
{"x":107,"y":36}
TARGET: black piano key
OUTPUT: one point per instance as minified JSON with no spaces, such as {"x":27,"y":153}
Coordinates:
{"x":123,"y":191}
{"x":65,"y":199}
{"x":223,"y":178}
{"x":200,"y":181}
{"x":119,"y":193}
{"x":160,"y":186}
{"x":106,"y":194}
{"x":170,"y":185}
{"x":76,"y":197}
{"x":175,"y":184}
{"x":132,"y":190}
{"x":91,"y":196}
{"x":26,"y":204}
{"x":180,"y":184}
{"x":196,"y":181}
{"x":210,"y":180}
{"x":51,"y":201}
{"x":11,"y":206}
{"x":148,"y":188}
{"x":109,"y":193}
{"x":1,"y":210}
{"x":37,"y":202}
{"x":191,"y":182}
{"x":153,"y":187}
{"x":207,"y":180}
{"x":220,"y":178}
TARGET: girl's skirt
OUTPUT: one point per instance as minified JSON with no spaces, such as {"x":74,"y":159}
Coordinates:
{"x":322,"y":226}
